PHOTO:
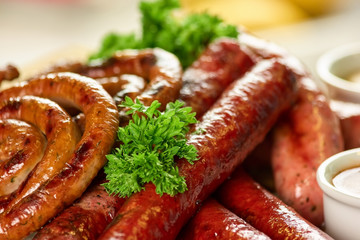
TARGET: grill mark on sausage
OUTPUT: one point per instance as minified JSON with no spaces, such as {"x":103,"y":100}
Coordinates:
{"x":11,"y":106}
{"x":219,"y":153}
{"x":17,"y":159}
{"x":35,"y":209}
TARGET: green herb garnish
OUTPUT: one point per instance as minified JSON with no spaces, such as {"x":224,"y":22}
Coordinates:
{"x":185,"y":36}
{"x":150,"y":142}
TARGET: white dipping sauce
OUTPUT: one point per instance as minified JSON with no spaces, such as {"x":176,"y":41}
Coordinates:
{"x":348,"y":181}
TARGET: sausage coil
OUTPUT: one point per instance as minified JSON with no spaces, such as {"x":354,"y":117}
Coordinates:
{"x":161,"y":70}
{"x":20,"y":144}
{"x":61,"y":134}
{"x":34,"y":210}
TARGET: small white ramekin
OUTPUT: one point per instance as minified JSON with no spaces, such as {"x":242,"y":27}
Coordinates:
{"x":341,"y":210}
{"x":334,"y":66}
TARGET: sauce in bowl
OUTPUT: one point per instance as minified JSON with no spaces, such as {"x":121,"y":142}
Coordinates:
{"x":348,"y":181}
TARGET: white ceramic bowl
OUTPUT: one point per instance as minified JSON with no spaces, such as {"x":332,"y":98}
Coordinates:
{"x":337,"y":64}
{"x":341,"y":210}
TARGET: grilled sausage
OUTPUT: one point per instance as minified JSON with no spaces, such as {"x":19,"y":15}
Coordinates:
{"x":117,"y":85}
{"x":214,"y":221}
{"x":235,"y":124}
{"x":250,"y":201}
{"x":61,"y":133}
{"x":10,"y":72}
{"x":37,"y":208}
{"x":349,"y":116}
{"x":86,"y":219}
{"x":161,"y":69}
{"x":21,"y":144}
{"x":219,"y":65}
{"x":308,"y":135}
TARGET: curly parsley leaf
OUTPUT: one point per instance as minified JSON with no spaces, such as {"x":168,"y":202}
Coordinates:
{"x":185,"y":36}
{"x":150,"y":143}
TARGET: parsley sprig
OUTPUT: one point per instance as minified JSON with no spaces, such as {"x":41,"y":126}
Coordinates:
{"x":150,"y":143}
{"x":186,"y":35}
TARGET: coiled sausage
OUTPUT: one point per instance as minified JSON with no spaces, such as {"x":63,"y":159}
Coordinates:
{"x":61,"y":133}
{"x":36,"y":209}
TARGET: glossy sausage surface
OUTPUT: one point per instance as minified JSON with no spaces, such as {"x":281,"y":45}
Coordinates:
{"x":22,"y":146}
{"x":235,"y":124}
{"x":158,"y":66}
{"x":86,"y":219}
{"x":250,"y":201}
{"x":349,"y":116}
{"x":10,"y":72}
{"x":161,"y":70}
{"x":218,"y":66}
{"x":61,"y":134}
{"x":214,"y":221}
{"x":36,"y":209}
{"x":308,"y":135}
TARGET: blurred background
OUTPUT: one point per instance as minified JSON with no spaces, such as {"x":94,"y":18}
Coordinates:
{"x":34,"y":29}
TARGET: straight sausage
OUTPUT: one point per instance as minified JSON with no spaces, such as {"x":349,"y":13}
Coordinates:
{"x":234,"y":125}
{"x":214,"y":221}
{"x":250,"y":201}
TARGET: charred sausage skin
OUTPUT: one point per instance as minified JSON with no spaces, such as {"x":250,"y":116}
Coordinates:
{"x":85,"y":219}
{"x":234,"y":125}
{"x":218,"y":66}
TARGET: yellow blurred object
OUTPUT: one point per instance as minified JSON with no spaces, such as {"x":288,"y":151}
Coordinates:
{"x":317,"y":7}
{"x":253,"y":14}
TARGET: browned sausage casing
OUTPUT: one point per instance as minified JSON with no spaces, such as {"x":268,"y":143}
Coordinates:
{"x":220,"y":64}
{"x":85,"y":219}
{"x":349,"y":115}
{"x":36,"y":209}
{"x":214,"y":221}
{"x":10,"y":72}
{"x":235,"y":124}
{"x":160,"y":68}
{"x":309,"y":134}
{"x":163,"y":69}
{"x":61,"y":134}
{"x":247,"y":199}
{"x":22,"y":146}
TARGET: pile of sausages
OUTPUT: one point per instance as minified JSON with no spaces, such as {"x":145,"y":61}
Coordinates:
{"x":243,"y":90}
